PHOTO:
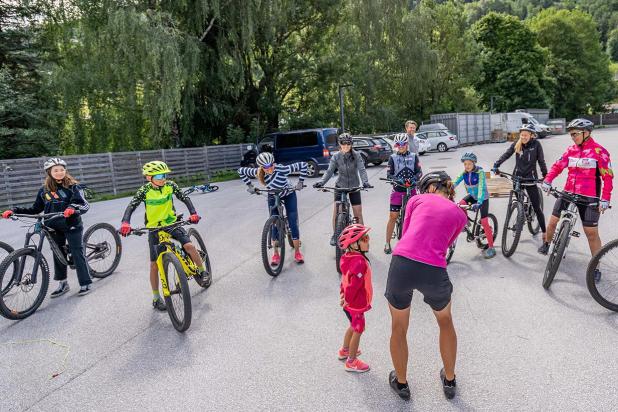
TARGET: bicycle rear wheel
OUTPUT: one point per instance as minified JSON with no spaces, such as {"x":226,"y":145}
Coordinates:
{"x":340,"y":224}
{"x":22,"y":299}
{"x":213,"y":188}
{"x":206,"y":280}
{"x":513,"y":225}
{"x":103,"y":249}
{"x":557,"y":253}
{"x":605,"y":292}
{"x":450,"y":252}
{"x":273,"y":242}
{"x":179,"y":300}
{"x":481,"y":238}
{"x":5,"y":250}
{"x":533,"y":224}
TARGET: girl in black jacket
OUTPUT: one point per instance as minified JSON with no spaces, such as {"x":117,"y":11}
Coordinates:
{"x":528,"y":152}
{"x":62,"y":193}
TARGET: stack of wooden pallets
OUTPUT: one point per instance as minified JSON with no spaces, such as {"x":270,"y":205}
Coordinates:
{"x":498,"y":186}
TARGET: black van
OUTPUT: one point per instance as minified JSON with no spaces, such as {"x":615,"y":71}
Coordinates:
{"x":313,"y":146}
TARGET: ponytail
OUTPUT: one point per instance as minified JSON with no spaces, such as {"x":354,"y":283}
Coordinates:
{"x":518,"y":146}
{"x":260,"y":175}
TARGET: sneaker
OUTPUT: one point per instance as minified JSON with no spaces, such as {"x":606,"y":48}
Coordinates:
{"x":344,"y":353}
{"x":449,"y":388}
{"x":205,"y":278}
{"x":597,"y":276}
{"x":332,"y":241}
{"x":404,"y":393}
{"x":276,"y":259}
{"x":158,"y":304}
{"x":489,"y":253}
{"x":298,"y":257}
{"x":387,"y":249}
{"x":544,"y":248}
{"x":84,"y":290}
{"x":356,"y":365}
{"x":61,"y":290}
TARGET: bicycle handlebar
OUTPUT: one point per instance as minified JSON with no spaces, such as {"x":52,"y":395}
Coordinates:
{"x":399,"y":182}
{"x":573,"y":197}
{"x":521,"y":179}
{"x":143,"y":230}
{"x":341,"y":189}
{"x":16,"y":216}
{"x":276,"y":191}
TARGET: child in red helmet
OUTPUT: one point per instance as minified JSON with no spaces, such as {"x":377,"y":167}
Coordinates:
{"x":355,"y":292}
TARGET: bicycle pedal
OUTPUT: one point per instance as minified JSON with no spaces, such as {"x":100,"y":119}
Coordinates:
{"x":575,"y":234}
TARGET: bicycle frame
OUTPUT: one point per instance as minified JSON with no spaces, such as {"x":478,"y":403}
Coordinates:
{"x":166,"y":246}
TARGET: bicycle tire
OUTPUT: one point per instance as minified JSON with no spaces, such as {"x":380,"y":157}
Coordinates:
{"x":340,"y":224}
{"x":481,"y":241}
{"x":5,"y":251}
{"x":400,"y":218}
{"x":273,"y":224}
{"x":557,"y":253}
{"x":533,"y":224}
{"x":592,"y":285}
{"x":199,"y":244}
{"x":450,"y":252}
{"x":515,"y":229}
{"x":181,"y":288}
{"x":16,"y":257}
{"x":213,"y":188}
{"x":115,"y":248}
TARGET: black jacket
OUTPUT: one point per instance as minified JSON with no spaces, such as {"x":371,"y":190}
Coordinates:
{"x":525,"y":162}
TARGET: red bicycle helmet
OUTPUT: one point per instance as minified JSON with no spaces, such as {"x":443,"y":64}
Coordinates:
{"x":352,"y":234}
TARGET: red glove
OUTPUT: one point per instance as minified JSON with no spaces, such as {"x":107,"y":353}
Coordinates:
{"x":7,"y":214}
{"x":125,"y":228}
{"x":68,"y":212}
{"x":194,"y":218}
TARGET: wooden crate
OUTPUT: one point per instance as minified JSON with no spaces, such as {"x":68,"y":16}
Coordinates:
{"x":499,"y":186}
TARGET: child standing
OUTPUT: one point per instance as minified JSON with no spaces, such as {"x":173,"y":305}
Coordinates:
{"x":355,"y":292}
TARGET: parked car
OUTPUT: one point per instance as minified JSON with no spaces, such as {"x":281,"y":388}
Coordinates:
{"x":314,"y":146}
{"x":423,"y":145}
{"x":432,"y":127}
{"x":374,"y":150}
{"x":440,"y":140}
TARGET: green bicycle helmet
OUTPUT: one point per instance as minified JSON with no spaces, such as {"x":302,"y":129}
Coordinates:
{"x":155,"y":167}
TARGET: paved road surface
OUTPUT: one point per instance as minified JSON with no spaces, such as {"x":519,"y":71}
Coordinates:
{"x":258,"y":343}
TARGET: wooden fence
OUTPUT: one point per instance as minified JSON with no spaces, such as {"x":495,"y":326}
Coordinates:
{"x":113,"y":173}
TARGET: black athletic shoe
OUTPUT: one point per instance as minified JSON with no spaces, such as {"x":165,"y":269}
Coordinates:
{"x":84,"y":290}
{"x":333,"y":242}
{"x":404,"y":393}
{"x":544,"y":248}
{"x":449,"y":388}
{"x":61,"y":290}
{"x":158,"y":304}
{"x":597,"y":276}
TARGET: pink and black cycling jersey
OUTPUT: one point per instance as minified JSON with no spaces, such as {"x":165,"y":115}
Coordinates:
{"x":590,"y":170}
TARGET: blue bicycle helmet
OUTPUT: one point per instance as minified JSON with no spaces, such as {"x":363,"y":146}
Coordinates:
{"x":469,"y":156}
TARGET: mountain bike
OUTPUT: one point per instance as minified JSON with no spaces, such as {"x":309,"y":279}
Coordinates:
{"x":276,"y":231}
{"x":24,"y":273}
{"x":176,"y":268}
{"x":564,"y":232}
{"x":343,"y":217}
{"x":519,"y":212}
{"x":410,"y":186}
{"x":205,"y":188}
{"x":474,"y":231}
{"x":605,"y":291}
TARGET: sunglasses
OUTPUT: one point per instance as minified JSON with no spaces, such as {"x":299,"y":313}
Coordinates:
{"x":345,"y":144}
{"x":400,"y":144}
{"x":160,"y":177}
{"x":365,"y":238}
{"x":268,"y":165}
{"x":575,"y":134}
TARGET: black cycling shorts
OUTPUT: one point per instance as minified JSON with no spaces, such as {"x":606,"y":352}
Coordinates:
{"x":588,"y":213}
{"x":405,"y":275}
{"x":355,"y":198}
{"x":153,"y":241}
{"x":484,"y":206}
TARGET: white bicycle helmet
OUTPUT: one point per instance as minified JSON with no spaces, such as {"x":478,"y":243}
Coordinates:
{"x":54,"y":161}
{"x":582,"y":124}
{"x":401,"y":139}
{"x":265,"y":158}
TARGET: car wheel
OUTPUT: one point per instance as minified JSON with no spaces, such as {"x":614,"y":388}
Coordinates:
{"x":377,"y":163}
{"x":442,"y":147}
{"x":422,"y":153}
{"x":312,"y":169}
{"x":365,"y":161}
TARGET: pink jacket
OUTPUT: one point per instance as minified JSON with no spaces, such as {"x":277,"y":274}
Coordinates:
{"x":356,"y":284}
{"x":588,"y":164}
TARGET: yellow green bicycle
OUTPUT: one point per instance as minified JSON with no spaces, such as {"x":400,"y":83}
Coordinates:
{"x":176,"y":268}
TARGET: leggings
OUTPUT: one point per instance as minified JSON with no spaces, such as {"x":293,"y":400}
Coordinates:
{"x":291,"y":208}
{"x":535,"y":198}
{"x":73,"y":237}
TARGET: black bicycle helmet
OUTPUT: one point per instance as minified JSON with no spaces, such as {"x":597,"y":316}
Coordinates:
{"x":345,"y":138}
{"x":582,"y":124}
{"x":440,"y":179}
{"x":528,"y":128}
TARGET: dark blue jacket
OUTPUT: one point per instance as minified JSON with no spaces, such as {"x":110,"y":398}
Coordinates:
{"x":52,"y":202}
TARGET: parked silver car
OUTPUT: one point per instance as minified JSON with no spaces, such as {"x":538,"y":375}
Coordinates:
{"x":440,"y":140}
{"x":423,"y":145}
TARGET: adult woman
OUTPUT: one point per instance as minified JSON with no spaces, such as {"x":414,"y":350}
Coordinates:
{"x":589,"y":166}
{"x":349,"y":165}
{"x":61,"y":193}
{"x":419,"y":262}
{"x":275,"y":176}
{"x":528,"y":153}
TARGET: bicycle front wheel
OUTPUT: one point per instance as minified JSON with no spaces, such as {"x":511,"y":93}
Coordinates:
{"x":481,"y":237}
{"x":213,"y":188}
{"x":5,"y":250}
{"x":340,"y":224}
{"x":273,"y":245}
{"x":21,"y":293}
{"x":557,"y":253}
{"x":179,"y":300}
{"x":206,"y":280}
{"x":103,"y":249}
{"x":605,"y":292}
{"x":513,"y":225}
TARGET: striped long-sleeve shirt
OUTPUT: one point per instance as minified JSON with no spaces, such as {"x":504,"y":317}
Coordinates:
{"x":279,"y":178}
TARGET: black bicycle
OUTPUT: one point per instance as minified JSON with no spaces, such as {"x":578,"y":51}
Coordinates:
{"x":605,"y":291}
{"x":276,"y":230}
{"x":205,"y":188}
{"x":564,"y":232}
{"x":474,"y":231}
{"x":519,"y":212}
{"x":343,"y":217}
{"x":24,"y":273}
{"x":410,"y":186}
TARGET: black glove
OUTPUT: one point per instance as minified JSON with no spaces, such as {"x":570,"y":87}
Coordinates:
{"x":367,"y":186}
{"x":318,"y":185}
{"x":495,"y":168}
